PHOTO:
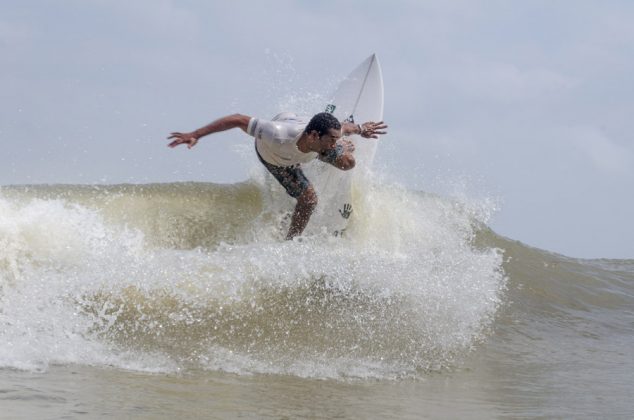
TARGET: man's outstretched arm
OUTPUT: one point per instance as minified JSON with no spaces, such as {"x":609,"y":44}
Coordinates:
{"x":221,"y":124}
{"x":341,"y":156}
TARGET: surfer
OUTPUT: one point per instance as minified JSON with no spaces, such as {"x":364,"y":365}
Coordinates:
{"x":287,"y":141}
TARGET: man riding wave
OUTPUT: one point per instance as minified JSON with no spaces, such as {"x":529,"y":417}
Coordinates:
{"x":287,"y":141}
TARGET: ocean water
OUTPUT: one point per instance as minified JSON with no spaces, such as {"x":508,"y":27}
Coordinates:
{"x":166,"y":300}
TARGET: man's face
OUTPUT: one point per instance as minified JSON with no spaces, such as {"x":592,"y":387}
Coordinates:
{"x":328,"y":140}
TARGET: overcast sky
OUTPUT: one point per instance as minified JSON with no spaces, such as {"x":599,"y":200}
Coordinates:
{"x":527,"y":103}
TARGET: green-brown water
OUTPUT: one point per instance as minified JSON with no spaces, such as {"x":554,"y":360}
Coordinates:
{"x":181,"y":300}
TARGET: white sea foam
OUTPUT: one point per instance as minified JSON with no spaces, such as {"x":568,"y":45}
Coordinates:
{"x":404,"y":293}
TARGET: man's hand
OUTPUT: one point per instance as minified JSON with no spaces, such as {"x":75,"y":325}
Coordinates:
{"x":372,"y":130}
{"x":348,"y":146}
{"x":189,"y":139}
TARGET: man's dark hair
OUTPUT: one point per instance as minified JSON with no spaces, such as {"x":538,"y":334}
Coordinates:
{"x":321,"y":123}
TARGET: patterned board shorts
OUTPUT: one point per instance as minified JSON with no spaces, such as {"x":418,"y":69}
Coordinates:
{"x":292,"y":178}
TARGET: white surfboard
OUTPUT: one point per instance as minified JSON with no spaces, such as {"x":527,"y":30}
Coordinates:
{"x":358,"y":99}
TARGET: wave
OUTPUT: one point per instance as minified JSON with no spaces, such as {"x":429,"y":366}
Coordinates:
{"x":170,"y":277}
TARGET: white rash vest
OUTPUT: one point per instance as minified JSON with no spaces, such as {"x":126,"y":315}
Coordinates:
{"x":276,"y":140}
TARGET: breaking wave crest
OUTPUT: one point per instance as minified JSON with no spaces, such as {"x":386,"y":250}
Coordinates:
{"x":174,"y":277}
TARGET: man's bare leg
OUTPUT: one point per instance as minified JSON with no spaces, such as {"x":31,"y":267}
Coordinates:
{"x":304,"y":208}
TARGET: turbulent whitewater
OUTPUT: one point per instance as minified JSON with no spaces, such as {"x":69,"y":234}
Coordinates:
{"x":189,"y":278}
{"x":173,"y":277}
{"x":196,"y":279}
